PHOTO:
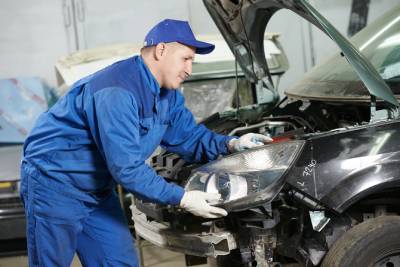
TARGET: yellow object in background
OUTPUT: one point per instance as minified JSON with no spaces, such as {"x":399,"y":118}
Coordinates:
{"x":5,"y":184}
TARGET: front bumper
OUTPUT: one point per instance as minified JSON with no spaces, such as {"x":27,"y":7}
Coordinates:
{"x":191,"y":243}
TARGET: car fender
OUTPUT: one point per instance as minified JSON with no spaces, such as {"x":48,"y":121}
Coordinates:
{"x":361,"y":183}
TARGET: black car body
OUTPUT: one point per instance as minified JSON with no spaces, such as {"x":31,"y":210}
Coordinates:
{"x":326,"y":191}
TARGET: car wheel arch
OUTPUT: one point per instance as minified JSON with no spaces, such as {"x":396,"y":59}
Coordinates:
{"x":362,"y":184}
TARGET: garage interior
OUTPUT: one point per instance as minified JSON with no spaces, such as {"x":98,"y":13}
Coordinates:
{"x":46,"y":46}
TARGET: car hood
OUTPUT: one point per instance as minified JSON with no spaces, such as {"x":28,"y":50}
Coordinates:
{"x":243,"y":23}
{"x":10,"y":160}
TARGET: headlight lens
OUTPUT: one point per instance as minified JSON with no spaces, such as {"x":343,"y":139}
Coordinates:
{"x":247,"y":173}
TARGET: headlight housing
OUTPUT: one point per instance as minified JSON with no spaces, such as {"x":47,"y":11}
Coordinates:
{"x":247,"y":178}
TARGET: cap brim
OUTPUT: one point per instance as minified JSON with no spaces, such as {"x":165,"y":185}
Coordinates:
{"x":201,"y":47}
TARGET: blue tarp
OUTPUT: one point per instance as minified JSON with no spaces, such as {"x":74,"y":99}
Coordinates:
{"x":22,"y":100}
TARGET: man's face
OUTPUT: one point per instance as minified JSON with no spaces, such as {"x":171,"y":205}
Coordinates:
{"x":176,"y":64}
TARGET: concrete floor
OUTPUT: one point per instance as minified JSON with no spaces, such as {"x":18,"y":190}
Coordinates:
{"x":153,"y":257}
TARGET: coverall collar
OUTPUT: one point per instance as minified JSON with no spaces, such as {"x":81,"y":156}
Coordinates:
{"x":145,"y":71}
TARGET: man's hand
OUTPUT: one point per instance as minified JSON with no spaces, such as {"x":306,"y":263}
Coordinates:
{"x":195,"y":202}
{"x":248,"y":141}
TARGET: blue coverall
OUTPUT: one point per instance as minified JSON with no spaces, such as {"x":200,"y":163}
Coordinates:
{"x":95,"y":136}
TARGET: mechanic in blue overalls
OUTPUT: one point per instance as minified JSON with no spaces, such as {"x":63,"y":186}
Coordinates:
{"x":100,"y":134}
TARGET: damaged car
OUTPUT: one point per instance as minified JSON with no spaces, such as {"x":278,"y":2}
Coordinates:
{"x":326,"y":191}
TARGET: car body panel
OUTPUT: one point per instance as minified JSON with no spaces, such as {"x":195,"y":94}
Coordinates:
{"x":339,"y":167}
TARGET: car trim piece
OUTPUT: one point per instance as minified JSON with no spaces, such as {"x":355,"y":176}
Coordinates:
{"x":197,"y":244}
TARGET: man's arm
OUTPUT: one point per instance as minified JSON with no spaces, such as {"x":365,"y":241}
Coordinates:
{"x":112,"y":115}
{"x":193,"y":142}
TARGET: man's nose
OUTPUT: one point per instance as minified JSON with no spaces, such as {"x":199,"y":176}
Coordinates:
{"x":188,"y":68}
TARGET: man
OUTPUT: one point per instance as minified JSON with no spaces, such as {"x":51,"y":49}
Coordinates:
{"x":100,"y":134}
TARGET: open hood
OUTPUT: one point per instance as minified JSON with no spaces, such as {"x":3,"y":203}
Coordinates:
{"x":243,"y":23}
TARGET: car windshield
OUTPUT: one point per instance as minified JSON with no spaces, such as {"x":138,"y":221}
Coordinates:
{"x":22,"y":100}
{"x":335,"y":79}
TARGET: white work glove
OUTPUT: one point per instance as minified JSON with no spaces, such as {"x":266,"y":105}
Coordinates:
{"x":195,"y":202}
{"x":248,"y":141}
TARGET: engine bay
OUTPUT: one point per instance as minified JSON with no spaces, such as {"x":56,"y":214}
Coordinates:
{"x":290,"y":120}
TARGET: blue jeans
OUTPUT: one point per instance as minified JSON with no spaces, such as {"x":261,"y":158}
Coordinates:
{"x":59,"y":225}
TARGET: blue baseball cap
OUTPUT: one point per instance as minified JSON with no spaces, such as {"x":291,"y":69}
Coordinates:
{"x":170,"y":30}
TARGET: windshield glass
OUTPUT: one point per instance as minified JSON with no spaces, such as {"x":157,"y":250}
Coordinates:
{"x":335,"y":79}
{"x":22,"y":100}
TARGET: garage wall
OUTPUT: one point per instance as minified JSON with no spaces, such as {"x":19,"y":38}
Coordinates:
{"x":127,"y":21}
{"x":36,"y":33}
{"x":32,"y":37}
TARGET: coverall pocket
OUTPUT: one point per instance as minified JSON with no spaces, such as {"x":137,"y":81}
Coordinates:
{"x":146,"y":124}
{"x":51,"y":204}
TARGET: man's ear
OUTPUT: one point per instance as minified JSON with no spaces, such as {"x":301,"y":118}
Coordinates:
{"x":160,"y":50}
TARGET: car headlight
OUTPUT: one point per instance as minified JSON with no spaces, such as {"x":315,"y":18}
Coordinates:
{"x":247,"y":178}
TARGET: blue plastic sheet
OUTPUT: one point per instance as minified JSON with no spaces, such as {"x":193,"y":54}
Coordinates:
{"x":22,"y":100}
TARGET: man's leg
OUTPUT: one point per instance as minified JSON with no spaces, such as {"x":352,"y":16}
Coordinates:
{"x":105,"y":239}
{"x":53,"y":225}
